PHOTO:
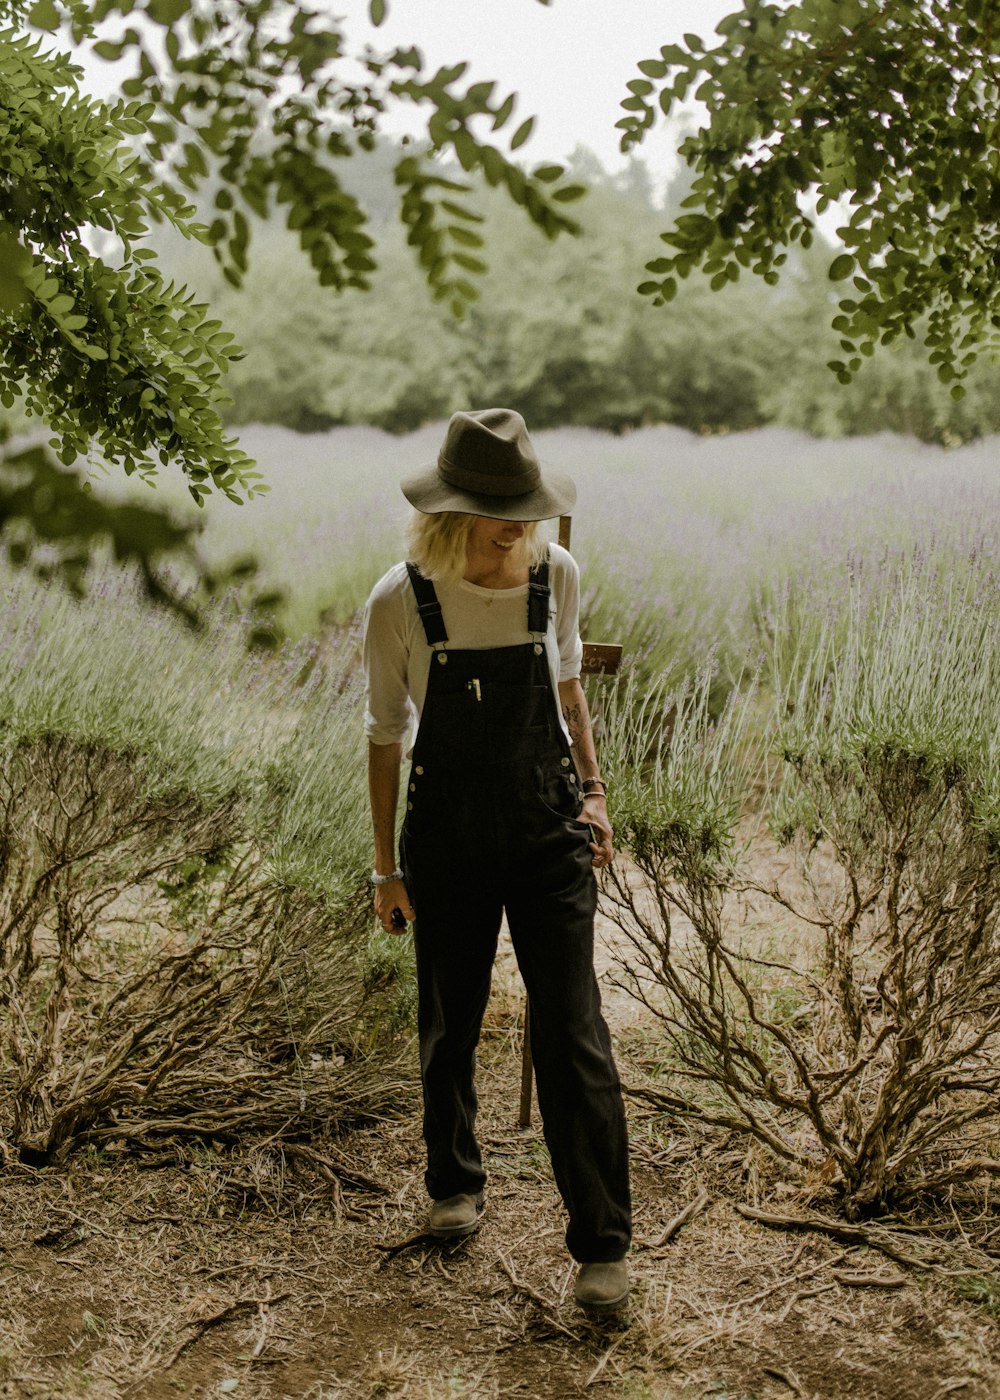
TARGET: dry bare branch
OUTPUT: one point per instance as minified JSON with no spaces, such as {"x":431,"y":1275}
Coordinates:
{"x":156,"y":980}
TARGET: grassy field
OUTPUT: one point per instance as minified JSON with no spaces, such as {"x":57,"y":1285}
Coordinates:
{"x":211,"y":1145}
{"x":681,"y":539}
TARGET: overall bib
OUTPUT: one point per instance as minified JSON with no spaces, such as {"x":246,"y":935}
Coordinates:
{"x":491,"y":825}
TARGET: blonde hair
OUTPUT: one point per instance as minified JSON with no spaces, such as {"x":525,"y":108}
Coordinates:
{"x":436,"y":544}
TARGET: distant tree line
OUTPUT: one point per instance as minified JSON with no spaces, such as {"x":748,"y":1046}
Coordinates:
{"x":558,"y":333}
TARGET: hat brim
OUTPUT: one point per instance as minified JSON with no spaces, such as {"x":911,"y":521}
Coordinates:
{"x":426,"y":492}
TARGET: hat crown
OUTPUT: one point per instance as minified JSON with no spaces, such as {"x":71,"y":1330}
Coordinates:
{"x":487,"y":466}
{"x":489,"y":453}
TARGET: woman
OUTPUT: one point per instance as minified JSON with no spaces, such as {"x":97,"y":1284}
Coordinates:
{"x":505,"y":811}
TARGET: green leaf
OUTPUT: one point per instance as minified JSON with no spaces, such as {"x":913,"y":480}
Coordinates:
{"x":466,"y":236}
{"x":522,"y":133}
{"x":44,"y":14}
{"x":377,"y":11}
{"x":504,"y":112}
{"x":494,"y":165}
{"x":470,"y":264}
{"x":166,"y":12}
{"x":478,"y":96}
{"x":841,"y":267}
{"x":465,"y":148}
{"x":566,"y":194}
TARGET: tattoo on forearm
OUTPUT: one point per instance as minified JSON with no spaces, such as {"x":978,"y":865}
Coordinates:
{"x":576,"y":722}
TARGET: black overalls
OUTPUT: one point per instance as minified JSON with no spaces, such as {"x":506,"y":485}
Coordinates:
{"x":491,"y":826}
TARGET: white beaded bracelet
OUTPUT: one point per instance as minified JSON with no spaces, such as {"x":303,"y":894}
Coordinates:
{"x":386,"y":879}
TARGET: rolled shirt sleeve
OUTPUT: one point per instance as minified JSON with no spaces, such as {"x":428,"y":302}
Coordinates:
{"x":389,"y":711}
{"x":568,"y":617}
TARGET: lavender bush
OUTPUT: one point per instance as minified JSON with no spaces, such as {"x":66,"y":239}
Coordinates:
{"x":184,"y":938}
{"x":845,"y":1014}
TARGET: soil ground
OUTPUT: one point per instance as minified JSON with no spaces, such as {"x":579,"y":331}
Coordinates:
{"x":265,"y":1276}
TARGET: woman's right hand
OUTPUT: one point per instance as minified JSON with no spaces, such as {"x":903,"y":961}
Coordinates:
{"x":389,"y":899}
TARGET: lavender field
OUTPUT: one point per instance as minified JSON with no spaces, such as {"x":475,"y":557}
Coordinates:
{"x":801,"y":946}
{"x":741,"y":554}
{"x":681,"y":538}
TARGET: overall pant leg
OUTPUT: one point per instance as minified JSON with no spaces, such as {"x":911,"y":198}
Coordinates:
{"x":550,"y":906}
{"x":455,"y":939}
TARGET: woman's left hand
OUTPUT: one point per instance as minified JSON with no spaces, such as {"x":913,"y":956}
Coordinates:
{"x":595,"y":815}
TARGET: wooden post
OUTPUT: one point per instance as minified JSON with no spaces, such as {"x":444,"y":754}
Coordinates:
{"x":527,"y":1071}
{"x":599,"y":659}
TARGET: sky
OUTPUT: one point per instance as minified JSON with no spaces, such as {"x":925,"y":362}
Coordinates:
{"x":568,"y":61}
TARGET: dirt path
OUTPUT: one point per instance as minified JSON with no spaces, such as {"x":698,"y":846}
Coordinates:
{"x":155,"y":1277}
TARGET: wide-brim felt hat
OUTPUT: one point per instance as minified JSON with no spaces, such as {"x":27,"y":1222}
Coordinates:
{"x":487,"y":466}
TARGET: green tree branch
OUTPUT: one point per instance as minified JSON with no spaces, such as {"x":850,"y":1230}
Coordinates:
{"x":247,"y":107}
{"x":892,"y":105}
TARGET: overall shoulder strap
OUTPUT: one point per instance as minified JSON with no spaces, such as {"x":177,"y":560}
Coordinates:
{"x":538,"y":597}
{"x":427,"y":606}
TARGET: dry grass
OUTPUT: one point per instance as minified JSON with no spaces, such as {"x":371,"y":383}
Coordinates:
{"x":156,"y":1275}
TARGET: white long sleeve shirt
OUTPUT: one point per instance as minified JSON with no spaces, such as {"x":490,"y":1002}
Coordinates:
{"x":397,"y":658}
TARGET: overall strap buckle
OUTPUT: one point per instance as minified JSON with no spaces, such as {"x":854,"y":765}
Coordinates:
{"x":428,"y":606}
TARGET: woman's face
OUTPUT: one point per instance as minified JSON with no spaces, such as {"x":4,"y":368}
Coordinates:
{"x":493,"y":539}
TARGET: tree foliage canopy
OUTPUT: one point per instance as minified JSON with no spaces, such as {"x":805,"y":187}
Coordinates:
{"x":247,"y":108}
{"x":252,"y":107}
{"x":890,"y":105}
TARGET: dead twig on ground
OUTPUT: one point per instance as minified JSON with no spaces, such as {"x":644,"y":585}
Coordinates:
{"x":683,"y":1217}
{"x":202,"y":1325}
{"x":333,"y":1167}
{"x":801,"y":1296}
{"x":785,"y":1377}
{"x":422,"y":1237}
{"x":850,"y":1280}
{"x":546,"y":1306}
{"x":798,"y":1277}
{"x":596,"y":1372}
{"x":836,"y":1229}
